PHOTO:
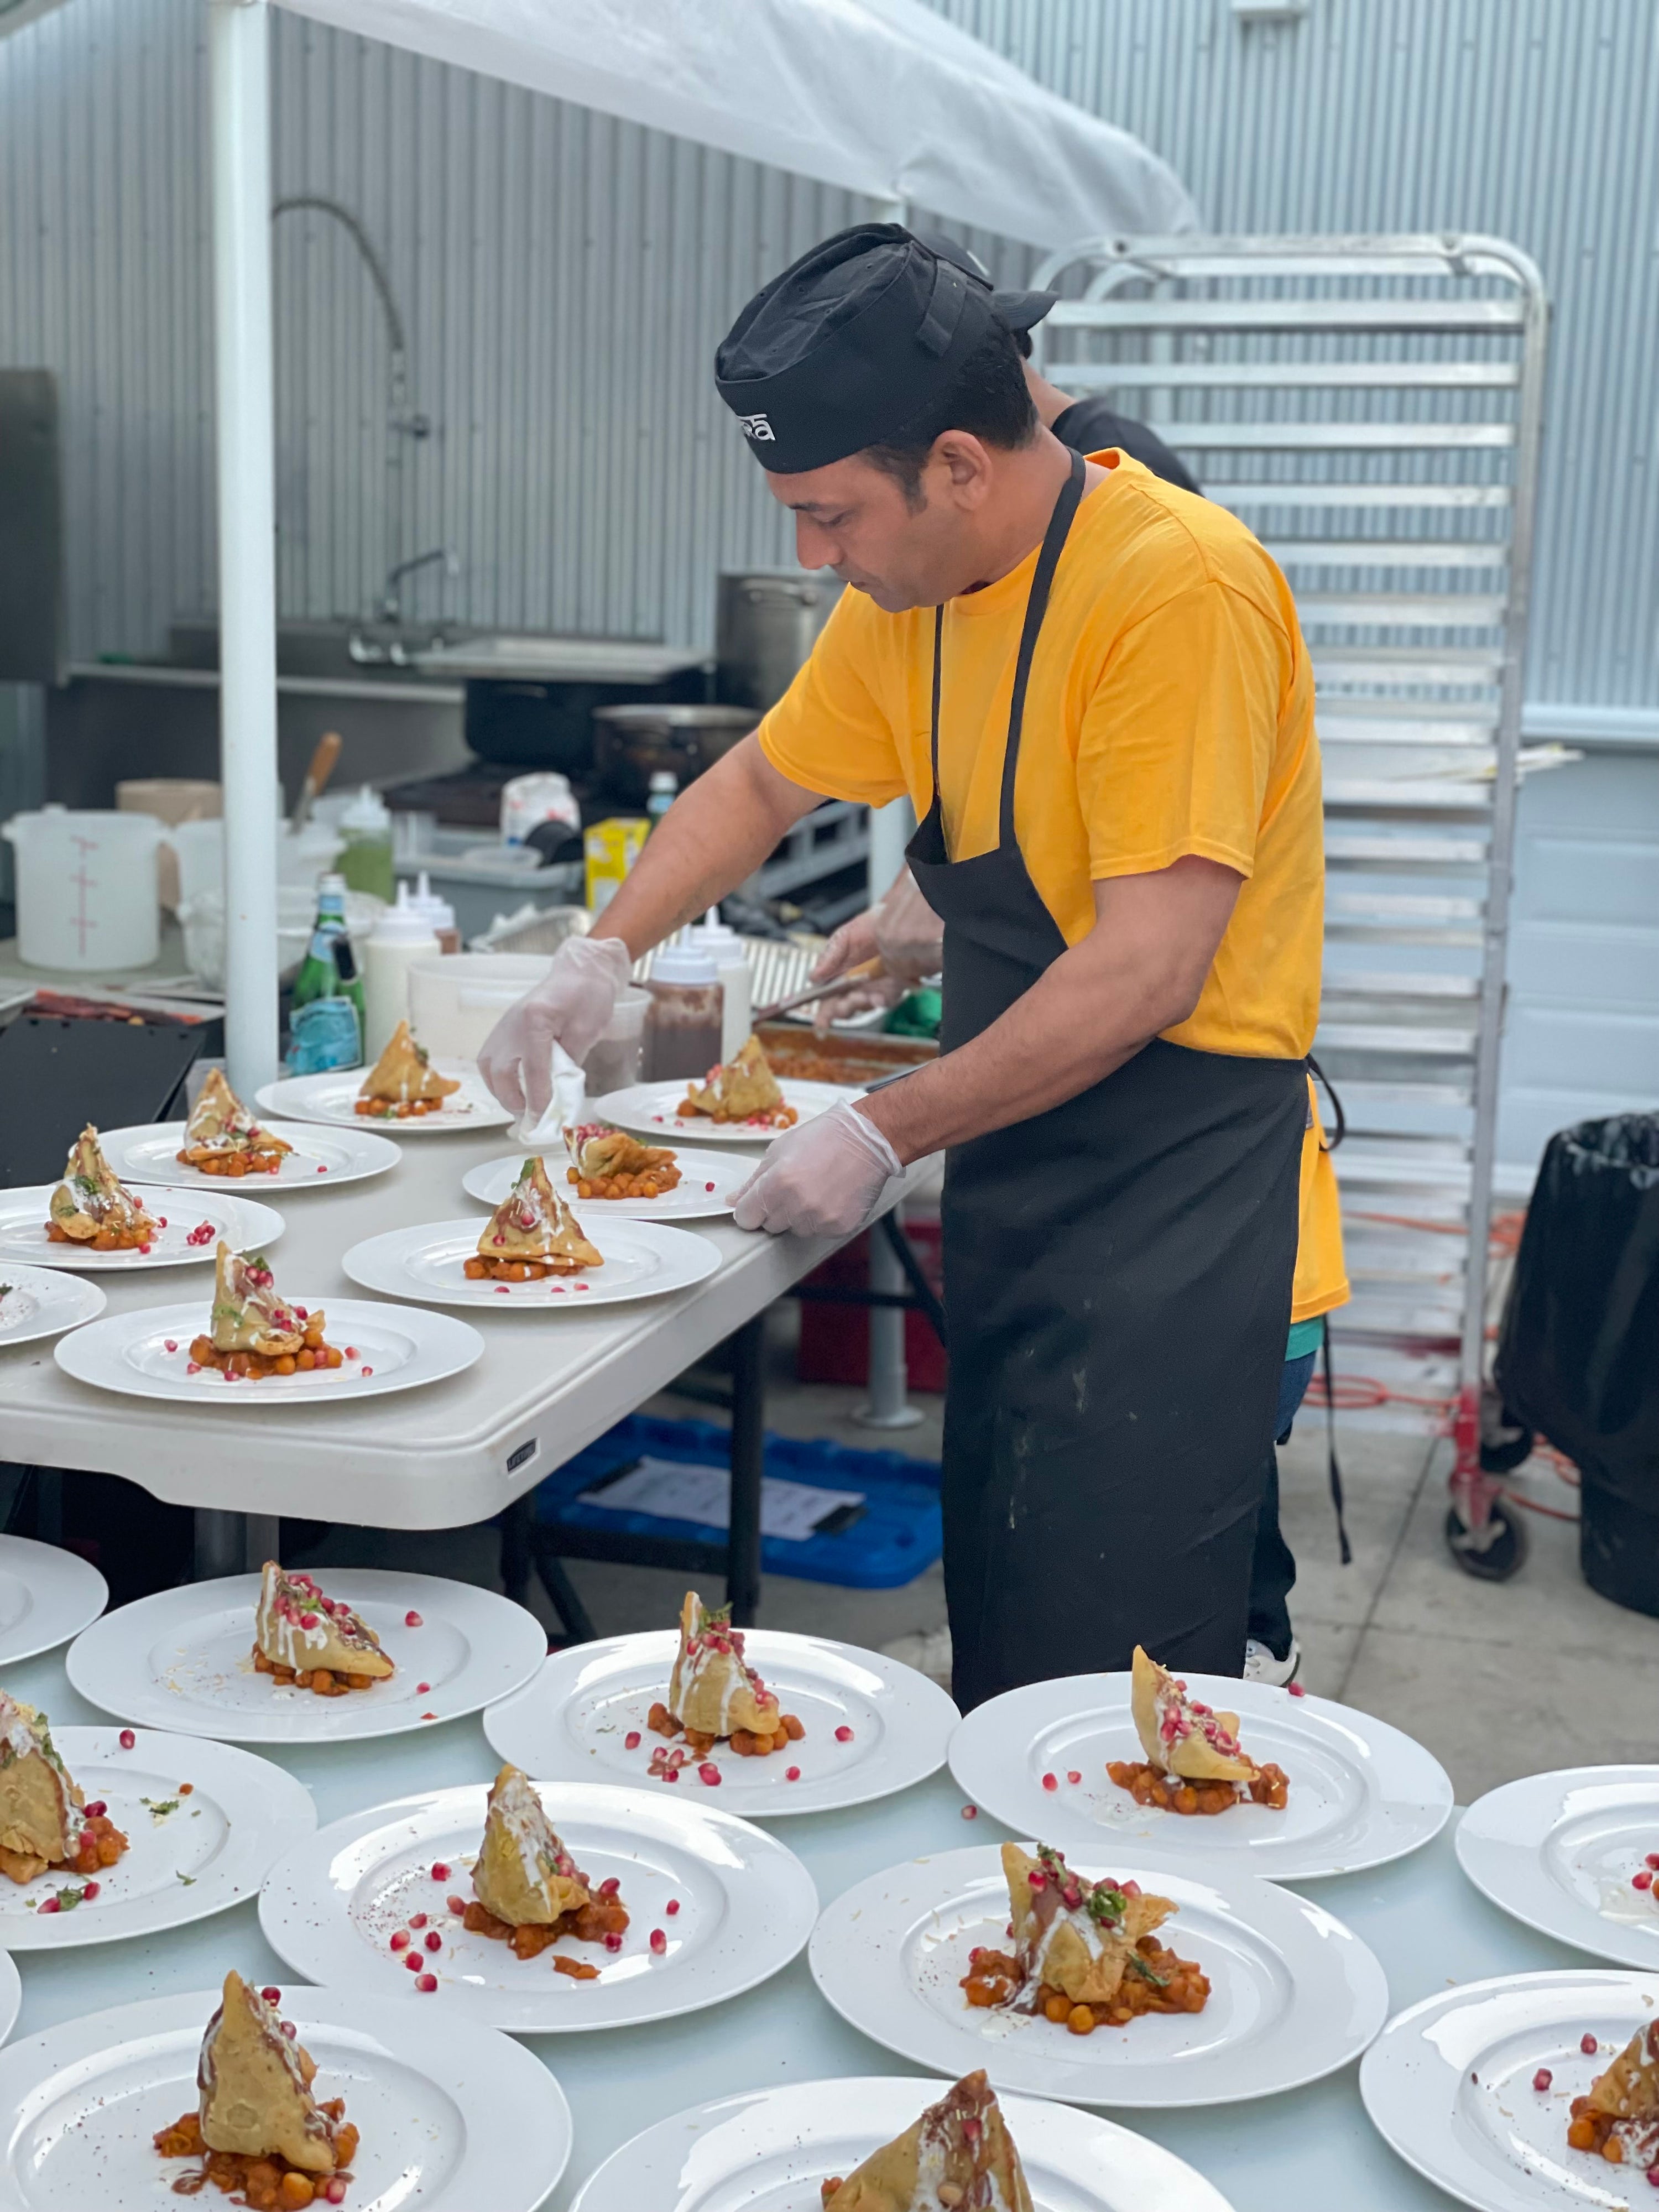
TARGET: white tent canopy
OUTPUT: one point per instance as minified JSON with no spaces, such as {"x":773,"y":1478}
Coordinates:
{"x":879,"y":96}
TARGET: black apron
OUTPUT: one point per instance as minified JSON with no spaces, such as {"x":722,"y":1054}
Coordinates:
{"x":1117,"y":1277}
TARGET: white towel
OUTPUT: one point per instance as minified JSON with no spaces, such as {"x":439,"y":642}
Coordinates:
{"x":564,"y":1111}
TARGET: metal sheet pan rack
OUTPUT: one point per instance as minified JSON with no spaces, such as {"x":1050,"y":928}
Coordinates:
{"x":1372,"y":408}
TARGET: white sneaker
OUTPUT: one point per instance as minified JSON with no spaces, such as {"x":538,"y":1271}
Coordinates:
{"x":1260,"y":1666}
{"x":929,"y":1651}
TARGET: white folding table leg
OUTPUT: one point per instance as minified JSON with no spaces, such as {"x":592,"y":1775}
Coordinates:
{"x":889,"y":1406}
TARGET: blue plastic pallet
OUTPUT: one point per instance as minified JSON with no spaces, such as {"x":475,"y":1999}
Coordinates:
{"x":896,"y":1537}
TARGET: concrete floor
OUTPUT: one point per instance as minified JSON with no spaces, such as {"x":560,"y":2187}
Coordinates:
{"x":1498,"y":1680}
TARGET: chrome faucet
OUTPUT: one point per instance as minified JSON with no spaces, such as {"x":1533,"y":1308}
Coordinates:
{"x":391,"y":599}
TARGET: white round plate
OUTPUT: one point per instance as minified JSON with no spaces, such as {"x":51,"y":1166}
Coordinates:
{"x":1294,"y":1993}
{"x":36,"y":1302}
{"x":11,"y":1995}
{"x":332,"y":1097}
{"x":146,"y":1354}
{"x":1447,"y":2084}
{"x":150,"y":1153}
{"x":642,"y":1259}
{"x":46,"y":1595}
{"x":188,"y":1857}
{"x":243,"y":1223}
{"x":452,"y":2119}
{"x":708,"y":1182}
{"x":182,"y":1660}
{"x":573,"y":1722}
{"x":1557,"y":1851}
{"x":648,"y":1108}
{"x":1361,"y":1792}
{"x":770,"y":2151}
{"x":747,"y":1906}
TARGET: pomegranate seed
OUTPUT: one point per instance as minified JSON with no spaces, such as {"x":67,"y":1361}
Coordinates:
{"x":970,"y":1812}
{"x":1588,"y":2045}
{"x":160,"y":1221}
{"x":844,"y":1734}
{"x":400,"y":1941}
{"x":1542,"y":2078}
{"x":332,"y":2199}
{"x":308,"y":1621}
{"x":127,"y":1739}
{"x":1643,"y":1880}
{"x":1296,"y":1690}
{"x":368,"y":1370}
{"x":791,"y":1774}
{"x":613,"y":1942}
{"x":1653,"y":2177}
{"x":434,"y":1942}
{"x":170,"y":1344}
{"x":709,"y":1774}
{"x":97,"y":1809}
{"x":191,"y":1367}
{"x":91,"y":1889}
{"x":272,"y":1996}
{"x":290,"y":2030}
{"x":659,"y":1941}
{"x":1051,"y":1782}
{"x":412,"y":1961}
{"x":426,"y":1984}
{"x":1653,"y":1860}
{"x":671,"y":1774}
{"x":145,"y":1249}
{"x":671,"y":1907}
{"x":334,"y":2193}
{"x":1036,"y":1878}
{"x":440,"y":1871}
{"x":1130,"y":1888}
{"x":418,"y":1920}
{"x":1073,"y":1775}
{"x":50,"y":1904}
{"x":631,"y":1741}
{"x":412,"y":1620}
{"x":351,"y":1352}
{"x":609,"y":1886}
{"x":456,"y":1904}
{"x":708,"y":1186}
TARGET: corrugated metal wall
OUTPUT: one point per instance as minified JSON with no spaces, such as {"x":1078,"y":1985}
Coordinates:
{"x":564,"y":279}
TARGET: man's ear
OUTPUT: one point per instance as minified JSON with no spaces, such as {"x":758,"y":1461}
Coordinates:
{"x":965,"y":465}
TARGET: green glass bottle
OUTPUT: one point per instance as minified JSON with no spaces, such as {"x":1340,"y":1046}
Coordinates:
{"x":327,"y":1022}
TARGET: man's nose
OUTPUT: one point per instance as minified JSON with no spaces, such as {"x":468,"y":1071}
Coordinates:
{"x":814,"y":547}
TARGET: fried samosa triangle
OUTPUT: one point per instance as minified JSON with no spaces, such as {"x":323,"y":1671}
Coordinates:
{"x":534,"y":1225}
{"x":524,"y":1876}
{"x":713,"y":1691}
{"x":295,"y":1625}
{"x":219,"y":1122}
{"x":1076,"y":1935}
{"x":1182,"y":1736}
{"x":92,"y":1202}
{"x":404,"y":1073}
{"x":255,"y":2086}
{"x":958,"y":2154}
{"x":740,"y":1089}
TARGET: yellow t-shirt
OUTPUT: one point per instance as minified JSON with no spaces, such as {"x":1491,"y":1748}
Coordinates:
{"x":1322,"y":1275}
{"x":1170,"y":711}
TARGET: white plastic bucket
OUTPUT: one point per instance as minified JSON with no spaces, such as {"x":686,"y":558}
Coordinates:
{"x":455,"y":1002}
{"x":86,"y":889}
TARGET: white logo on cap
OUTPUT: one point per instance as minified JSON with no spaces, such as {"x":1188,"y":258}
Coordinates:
{"x":757,"y":427}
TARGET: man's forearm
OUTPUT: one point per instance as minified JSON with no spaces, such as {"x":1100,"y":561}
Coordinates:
{"x":1140,"y":972}
{"x":718,"y":832}
{"x":1051,"y":1044}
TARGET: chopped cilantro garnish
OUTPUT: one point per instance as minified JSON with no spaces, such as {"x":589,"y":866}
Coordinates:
{"x":158,"y":1811}
{"x":1140,"y":1966}
{"x":188,"y":1880}
{"x":67,"y":1898}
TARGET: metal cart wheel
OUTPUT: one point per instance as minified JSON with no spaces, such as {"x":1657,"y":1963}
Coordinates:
{"x":1504,"y":1555}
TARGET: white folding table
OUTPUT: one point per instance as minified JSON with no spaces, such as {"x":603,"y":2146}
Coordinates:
{"x":1311,"y":2148}
{"x":442,"y":1457}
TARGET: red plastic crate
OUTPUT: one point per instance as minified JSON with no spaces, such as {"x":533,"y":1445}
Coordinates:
{"x":834,"y":1340}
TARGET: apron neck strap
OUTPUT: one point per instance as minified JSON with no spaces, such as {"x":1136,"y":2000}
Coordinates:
{"x":1036,"y":606}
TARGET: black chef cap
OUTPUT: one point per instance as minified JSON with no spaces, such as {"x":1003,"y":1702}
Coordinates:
{"x":851,"y":342}
{"x":1019,"y":310}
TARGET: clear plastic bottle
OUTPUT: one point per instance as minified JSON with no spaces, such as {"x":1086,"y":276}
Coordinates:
{"x":683,"y":1022}
{"x":724,"y":947}
{"x":365,"y":862}
{"x":401,"y":936}
{"x":665,"y":789}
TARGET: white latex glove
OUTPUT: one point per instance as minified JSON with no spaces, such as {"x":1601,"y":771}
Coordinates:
{"x":570,"y":1006}
{"x":544,"y":1133}
{"x":903,"y":931}
{"x":824,"y":1177}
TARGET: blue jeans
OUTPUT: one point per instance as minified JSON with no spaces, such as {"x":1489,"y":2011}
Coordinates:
{"x":1273,"y":1568}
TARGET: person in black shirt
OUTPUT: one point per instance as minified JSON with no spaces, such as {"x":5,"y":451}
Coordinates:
{"x":1087,"y":425}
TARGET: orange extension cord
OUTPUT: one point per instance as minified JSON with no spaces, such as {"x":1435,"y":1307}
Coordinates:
{"x":1362,"y":1393}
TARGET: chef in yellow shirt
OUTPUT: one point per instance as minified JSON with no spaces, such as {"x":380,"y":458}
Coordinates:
{"x":1092,"y":686}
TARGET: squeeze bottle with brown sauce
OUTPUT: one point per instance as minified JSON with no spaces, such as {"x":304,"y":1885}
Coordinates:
{"x":683,"y":1022}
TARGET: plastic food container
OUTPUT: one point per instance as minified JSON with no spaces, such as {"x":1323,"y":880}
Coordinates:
{"x":454,"y":1003}
{"x":616,"y":1058}
{"x":202,"y":916}
{"x":86,"y":889}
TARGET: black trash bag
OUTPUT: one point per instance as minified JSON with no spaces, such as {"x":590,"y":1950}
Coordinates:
{"x":1578,"y":1353}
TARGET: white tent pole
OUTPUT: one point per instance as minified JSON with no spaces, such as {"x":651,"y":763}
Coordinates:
{"x":239,"y":50}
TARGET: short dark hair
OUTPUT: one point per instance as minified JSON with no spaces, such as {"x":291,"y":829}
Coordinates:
{"x":987,"y":398}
